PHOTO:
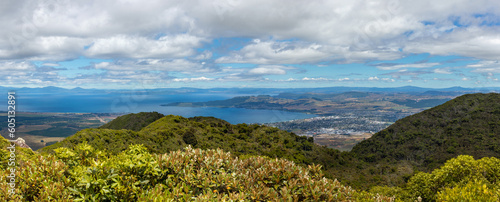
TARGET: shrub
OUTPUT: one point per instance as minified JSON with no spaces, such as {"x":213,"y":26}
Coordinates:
{"x":458,"y":174}
{"x":472,"y":191}
{"x":85,"y":174}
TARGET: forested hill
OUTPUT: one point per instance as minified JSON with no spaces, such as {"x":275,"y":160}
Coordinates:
{"x":133,"y":122}
{"x":172,"y":133}
{"x":469,"y":124}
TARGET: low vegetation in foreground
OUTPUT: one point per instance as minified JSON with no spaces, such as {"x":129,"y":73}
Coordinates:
{"x":83,"y":173}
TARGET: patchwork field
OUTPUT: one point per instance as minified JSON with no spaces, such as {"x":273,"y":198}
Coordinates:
{"x":42,"y":129}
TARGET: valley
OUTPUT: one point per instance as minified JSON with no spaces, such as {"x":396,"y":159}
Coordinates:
{"x":393,"y":105}
{"x":344,"y":119}
{"x":43,"y":129}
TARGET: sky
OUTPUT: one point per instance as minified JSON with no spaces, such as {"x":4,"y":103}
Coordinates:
{"x":128,"y":44}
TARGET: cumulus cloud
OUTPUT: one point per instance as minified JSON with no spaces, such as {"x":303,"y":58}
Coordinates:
{"x":193,"y":79}
{"x":255,"y":74}
{"x":138,"y":78}
{"x":316,"y":79}
{"x":270,"y":52}
{"x":113,"y":28}
{"x":43,"y":48}
{"x":269,"y":70}
{"x":141,"y":47}
{"x":394,"y":66}
{"x":487,"y":66}
{"x":405,"y":72}
{"x":16,"y":72}
{"x":16,"y":66}
{"x":477,"y":42}
{"x":180,"y":36}
{"x":442,"y":71}
{"x":177,"y":65}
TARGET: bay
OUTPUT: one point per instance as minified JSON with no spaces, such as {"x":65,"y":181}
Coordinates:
{"x":134,"y":103}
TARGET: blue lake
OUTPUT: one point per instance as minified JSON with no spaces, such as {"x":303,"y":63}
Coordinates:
{"x":133,"y":103}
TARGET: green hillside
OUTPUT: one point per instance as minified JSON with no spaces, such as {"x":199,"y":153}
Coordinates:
{"x":21,"y":154}
{"x":172,"y":133}
{"x":133,"y":122}
{"x":467,"y":125}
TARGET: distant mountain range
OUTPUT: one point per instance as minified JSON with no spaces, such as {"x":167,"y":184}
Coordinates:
{"x":341,"y":89}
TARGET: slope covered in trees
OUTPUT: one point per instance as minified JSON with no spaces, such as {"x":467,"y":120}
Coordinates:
{"x":466,"y":125}
{"x":172,"y":133}
{"x":469,"y":124}
{"x":133,"y":122}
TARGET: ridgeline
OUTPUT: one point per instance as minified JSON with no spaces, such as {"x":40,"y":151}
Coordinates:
{"x":172,"y":133}
{"x":466,"y":125}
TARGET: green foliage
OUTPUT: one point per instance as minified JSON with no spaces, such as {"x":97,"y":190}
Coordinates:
{"x":133,"y":122}
{"x":387,"y":191}
{"x":41,"y":178}
{"x":473,"y":178}
{"x":190,"y":138}
{"x":473,"y":191}
{"x":4,"y":154}
{"x":83,"y":173}
{"x":172,"y":133}
{"x":467,"y":125}
{"x":100,"y":139}
{"x":22,"y":154}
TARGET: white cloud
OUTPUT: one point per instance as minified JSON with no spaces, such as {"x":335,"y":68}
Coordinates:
{"x":476,"y":42}
{"x":10,"y":66}
{"x":254,"y":74}
{"x":263,"y":70}
{"x":44,"y":48}
{"x":269,"y":70}
{"x":193,"y":79}
{"x":204,"y":56}
{"x":269,"y":52}
{"x":141,"y":47}
{"x":401,"y":66}
{"x":51,"y":64}
{"x":442,"y":71}
{"x":485,"y":66}
{"x":329,"y":30}
{"x":388,"y":80}
{"x":314,"y":79}
{"x":177,"y":65}
{"x":138,"y":78}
